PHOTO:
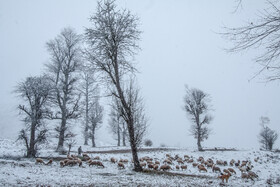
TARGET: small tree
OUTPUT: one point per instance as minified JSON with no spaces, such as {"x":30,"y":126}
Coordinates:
{"x":148,"y":143}
{"x":197,"y":105}
{"x":95,"y":119}
{"x":36,"y":92}
{"x":89,"y":89}
{"x":267,"y":137}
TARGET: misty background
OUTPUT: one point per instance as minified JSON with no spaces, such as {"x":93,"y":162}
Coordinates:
{"x":180,"y":46}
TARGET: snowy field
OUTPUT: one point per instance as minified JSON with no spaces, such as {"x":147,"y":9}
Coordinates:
{"x":18,"y":171}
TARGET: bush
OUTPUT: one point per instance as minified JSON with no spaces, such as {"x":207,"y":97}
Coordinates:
{"x":148,"y":143}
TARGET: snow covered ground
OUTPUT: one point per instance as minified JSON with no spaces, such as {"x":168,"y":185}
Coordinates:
{"x":18,"y":171}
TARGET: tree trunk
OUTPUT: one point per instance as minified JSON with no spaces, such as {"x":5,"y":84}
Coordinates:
{"x":86,"y":135}
{"x":199,"y":144}
{"x":61,"y":135}
{"x":93,"y":138}
{"x":31,"y":152}
{"x":133,"y":146}
{"x":86,"y":128}
{"x":123,"y":134}
{"x":119,"y":135}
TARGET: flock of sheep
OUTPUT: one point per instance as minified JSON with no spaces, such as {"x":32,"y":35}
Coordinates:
{"x":169,"y":163}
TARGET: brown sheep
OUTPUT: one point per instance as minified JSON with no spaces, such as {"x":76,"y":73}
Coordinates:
{"x":177,"y":167}
{"x":237,"y":163}
{"x":121,"y":165}
{"x":190,"y":161}
{"x":232,"y":162}
{"x":180,"y":162}
{"x":151,"y":166}
{"x":232,"y":170}
{"x":49,"y":162}
{"x":167,"y":161}
{"x":96,"y":158}
{"x":226,"y":171}
{"x":201,"y":168}
{"x":113,"y":160}
{"x":143,"y":164}
{"x":194,"y":164}
{"x":165,"y":167}
{"x":252,"y":174}
{"x":156,"y":167}
{"x":61,"y":163}
{"x":39,"y":161}
{"x":184,"y":167}
{"x":157,"y":162}
{"x":216,"y":168}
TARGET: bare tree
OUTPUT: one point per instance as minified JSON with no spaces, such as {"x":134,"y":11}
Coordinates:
{"x":89,"y":90}
{"x":112,"y":40}
{"x":117,"y":124}
{"x":262,"y":33}
{"x":36,"y":92}
{"x":197,"y":106}
{"x":267,"y":137}
{"x":65,"y":55}
{"x":95,"y":119}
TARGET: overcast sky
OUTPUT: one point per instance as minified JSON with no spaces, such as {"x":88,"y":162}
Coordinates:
{"x":179,"y":46}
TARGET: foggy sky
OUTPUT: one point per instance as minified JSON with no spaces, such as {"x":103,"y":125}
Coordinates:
{"x":180,"y":46}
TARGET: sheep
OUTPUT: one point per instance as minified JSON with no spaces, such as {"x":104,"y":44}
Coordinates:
{"x":123,"y":160}
{"x":167,"y":161}
{"x":242,"y":169}
{"x":157,"y":162}
{"x":232,"y":162}
{"x":216,"y":168}
{"x":201,"y":168}
{"x":151,"y":166}
{"x":177,"y":167}
{"x":184,"y":167}
{"x":39,"y":161}
{"x":194,"y":164}
{"x":232,"y":170}
{"x":180,"y":162}
{"x":96,"y":163}
{"x":61,"y":163}
{"x":252,"y":174}
{"x":143,"y":164}
{"x":96,"y":158}
{"x":49,"y":162}
{"x":190,"y":161}
{"x":237,"y":163}
{"x":156,"y":167}
{"x":121,"y":165}
{"x":226,"y":171}
{"x":165,"y":167}
{"x":113,"y":160}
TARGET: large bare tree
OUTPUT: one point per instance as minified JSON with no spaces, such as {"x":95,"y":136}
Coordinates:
{"x":65,"y":55}
{"x":262,"y":33}
{"x":113,"y":42}
{"x":267,"y":137}
{"x":36,"y":92}
{"x":197,"y":106}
